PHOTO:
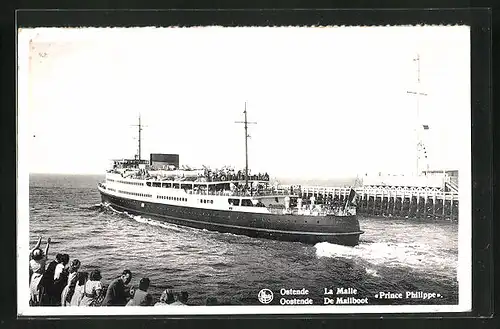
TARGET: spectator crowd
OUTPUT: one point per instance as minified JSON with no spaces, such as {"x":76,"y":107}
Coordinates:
{"x":61,"y":283}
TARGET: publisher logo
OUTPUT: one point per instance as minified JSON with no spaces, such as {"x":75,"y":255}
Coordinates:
{"x":265,"y":296}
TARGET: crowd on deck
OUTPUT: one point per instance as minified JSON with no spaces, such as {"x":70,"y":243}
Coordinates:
{"x":61,"y":283}
{"x":212,"y":175}
{"x":228,"y":174}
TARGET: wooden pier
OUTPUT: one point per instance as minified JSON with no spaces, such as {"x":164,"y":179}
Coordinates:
{"x":399,"y":202}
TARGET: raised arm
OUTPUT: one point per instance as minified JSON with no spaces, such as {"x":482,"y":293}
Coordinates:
{"x":37,"y":244}
{"x":47,"y":248}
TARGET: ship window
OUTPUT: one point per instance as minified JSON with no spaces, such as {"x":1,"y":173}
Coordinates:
{"x":234,"y":202}
{"x":148,"y":183}
{"x":246,"y":202}
{"x":212,"y":201}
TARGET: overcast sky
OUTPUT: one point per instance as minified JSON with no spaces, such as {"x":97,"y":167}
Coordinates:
{"x":329,"y":102}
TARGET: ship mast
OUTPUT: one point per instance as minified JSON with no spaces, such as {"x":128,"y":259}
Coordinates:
{"x":139,"y":128}
{"x":246,"y":143}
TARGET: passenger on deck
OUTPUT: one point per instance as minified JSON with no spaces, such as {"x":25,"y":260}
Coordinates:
{"x":47,"y":282}
{"x":69,"y":290}
{"x":38,"y":260}
{"x":178,"y":300}
{"x":167,"y":297}
{"x":78,"y":294}
{"x":141,"y":296}
{"x":184,"y":297}
{"x":61,"y":275}
{"x":211,"y":301}
{"x":92,"y":289}
{"x":116,"y":294}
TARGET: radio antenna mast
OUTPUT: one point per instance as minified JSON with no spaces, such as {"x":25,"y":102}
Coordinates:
{"x":418,"y":93}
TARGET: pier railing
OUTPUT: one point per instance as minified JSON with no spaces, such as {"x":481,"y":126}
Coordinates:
{"x":378,"y":191}
{"x":390,"y":201}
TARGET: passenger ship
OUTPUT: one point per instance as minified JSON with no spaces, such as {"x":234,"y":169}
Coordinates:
{"x":227,"y":202}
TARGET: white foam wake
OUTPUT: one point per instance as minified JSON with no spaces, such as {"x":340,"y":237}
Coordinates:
{"x":416,"y":256}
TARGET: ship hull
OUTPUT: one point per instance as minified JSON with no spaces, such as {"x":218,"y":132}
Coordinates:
{"x":343,"y":230}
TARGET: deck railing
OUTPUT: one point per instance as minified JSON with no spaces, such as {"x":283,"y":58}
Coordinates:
{"x":277,"y":192}
{"x":306,"y":211}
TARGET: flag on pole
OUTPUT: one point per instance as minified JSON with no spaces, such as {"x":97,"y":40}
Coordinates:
{"x":352,"y":199}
